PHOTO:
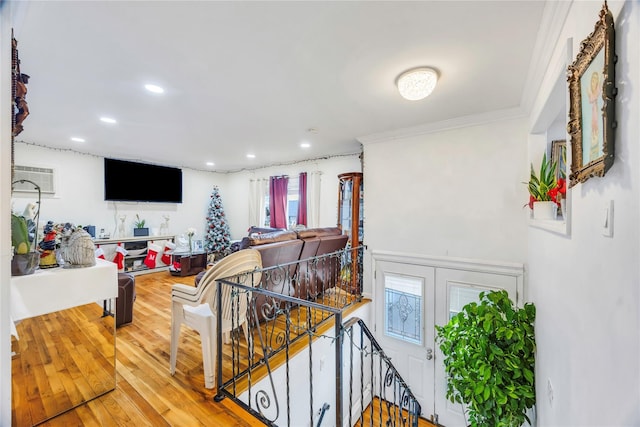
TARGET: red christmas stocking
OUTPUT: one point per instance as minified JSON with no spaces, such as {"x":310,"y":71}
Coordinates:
{"x":120,"y":254}
{"x":99,"y":252}
{"x":168,"y":250}
{"x":152,"y":253}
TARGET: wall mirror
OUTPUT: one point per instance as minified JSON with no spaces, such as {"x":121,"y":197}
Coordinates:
{"x":61,"y":360}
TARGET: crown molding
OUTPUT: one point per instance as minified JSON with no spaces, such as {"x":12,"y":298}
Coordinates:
{"x":454,"y":123}
{"x":554,"y":16}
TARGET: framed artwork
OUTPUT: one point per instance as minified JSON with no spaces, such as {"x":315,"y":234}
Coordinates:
{"x":197,"y":246}
{"x":559,"y":157}
{"x":592,"y":95}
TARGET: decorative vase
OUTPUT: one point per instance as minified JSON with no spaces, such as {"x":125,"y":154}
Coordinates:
{"x":544,"y":210}
{"x":190,"y":245}
{"x":24,"y":264}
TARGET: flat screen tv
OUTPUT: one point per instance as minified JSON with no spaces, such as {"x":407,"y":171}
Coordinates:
{"x":127,"y":181}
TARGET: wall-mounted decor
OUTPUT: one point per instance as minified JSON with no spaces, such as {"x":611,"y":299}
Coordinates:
{"x":18,"y":94}
{"x":592,"y":93}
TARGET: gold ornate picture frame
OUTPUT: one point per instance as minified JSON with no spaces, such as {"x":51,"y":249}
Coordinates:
{"x":592,"y":93}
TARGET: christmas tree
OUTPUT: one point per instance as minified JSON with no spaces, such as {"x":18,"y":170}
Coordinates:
{"x":217,"y":236}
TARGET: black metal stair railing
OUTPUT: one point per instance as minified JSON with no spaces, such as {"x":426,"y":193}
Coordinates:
{"x":395,"y":402}
{"x":290,"y":369}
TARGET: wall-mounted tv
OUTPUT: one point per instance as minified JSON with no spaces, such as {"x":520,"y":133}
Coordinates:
{"x":140,"y":182}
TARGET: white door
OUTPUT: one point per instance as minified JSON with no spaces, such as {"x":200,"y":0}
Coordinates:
{"x":405,"y":308}
{"x":455,"y":289}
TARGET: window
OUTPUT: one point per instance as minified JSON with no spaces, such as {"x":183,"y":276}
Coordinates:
{"x":293,"y":198}
{"x":459,"y":296}
{"x":292,"y":203}
{"x":403,"y":302}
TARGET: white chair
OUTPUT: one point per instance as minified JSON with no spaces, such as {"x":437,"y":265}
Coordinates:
{"x":196,"y":307}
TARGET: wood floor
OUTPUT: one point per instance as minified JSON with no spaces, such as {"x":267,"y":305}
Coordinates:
{"x":146,"y":394}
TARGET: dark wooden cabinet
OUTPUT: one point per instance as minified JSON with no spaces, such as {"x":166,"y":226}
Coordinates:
{"x":350,"y":204}
{"x":351,"y":222}
{"x":190,"y":264}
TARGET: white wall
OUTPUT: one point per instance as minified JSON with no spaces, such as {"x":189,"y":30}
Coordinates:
{"x":585,"y":286}
{"x":79,"y":194}
{"x":238,"y":187}
{"x":79,"y":197}
{"x":456,"y":193}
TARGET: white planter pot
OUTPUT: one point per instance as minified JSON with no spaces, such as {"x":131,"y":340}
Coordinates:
{"x":544,"y":210}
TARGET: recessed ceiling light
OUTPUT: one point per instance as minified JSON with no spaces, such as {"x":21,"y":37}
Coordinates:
{"x":210,"y":164}
{"x":417,"y":83}
{"x":108,"y":120}
{"x":76,"y":139}
{"x":305,"y":145}
{"x":154,"y":88}
{"x":251,"y":156}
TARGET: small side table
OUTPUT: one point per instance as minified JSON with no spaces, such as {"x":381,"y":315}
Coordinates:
{"x":190,"y":263}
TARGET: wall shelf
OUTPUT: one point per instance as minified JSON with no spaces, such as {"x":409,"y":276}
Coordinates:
{"x":555,"y":226}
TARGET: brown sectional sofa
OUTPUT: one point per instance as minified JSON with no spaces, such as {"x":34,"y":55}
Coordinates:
{"x":285,"y":248}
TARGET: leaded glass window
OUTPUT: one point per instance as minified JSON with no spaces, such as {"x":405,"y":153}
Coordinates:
{"x":403,"y":307}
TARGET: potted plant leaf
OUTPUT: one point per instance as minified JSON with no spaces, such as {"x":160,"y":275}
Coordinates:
{"x":140,"y":229}
{"x":545,"y":191}
{"x":489,"y":357}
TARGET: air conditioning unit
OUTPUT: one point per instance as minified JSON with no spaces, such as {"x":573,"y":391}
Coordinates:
{"x":43,"y":177}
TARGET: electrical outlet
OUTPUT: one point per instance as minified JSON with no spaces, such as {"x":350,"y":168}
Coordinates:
{"x":550,"y":391}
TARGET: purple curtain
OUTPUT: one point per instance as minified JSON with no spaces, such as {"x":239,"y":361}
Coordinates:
{"x":278,"y":201}
{"x":302,"y":199}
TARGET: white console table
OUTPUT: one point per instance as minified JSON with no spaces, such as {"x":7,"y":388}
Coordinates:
{"x":55,"y":289}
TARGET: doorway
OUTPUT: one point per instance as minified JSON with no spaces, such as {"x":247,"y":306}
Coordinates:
{"x":411,"y":297}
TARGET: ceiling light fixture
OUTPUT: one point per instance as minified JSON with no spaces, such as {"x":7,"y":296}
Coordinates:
{"x":251,"y":156}
{"x":210,"y":164}
{"x":154,"y":88}
{"x":76,"y":139}
{"x":417,"y":83}
{"x":108,"y":120}
{"x":305,"y":145}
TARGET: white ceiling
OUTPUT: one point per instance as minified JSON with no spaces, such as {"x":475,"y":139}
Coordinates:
{"x":254,"y":77}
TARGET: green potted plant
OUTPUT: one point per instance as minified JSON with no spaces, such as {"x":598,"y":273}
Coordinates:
{"x":489,"y":357}
{"x":545,"y":191}
{"x":25,"y":258}
{"x":140,"y":229}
